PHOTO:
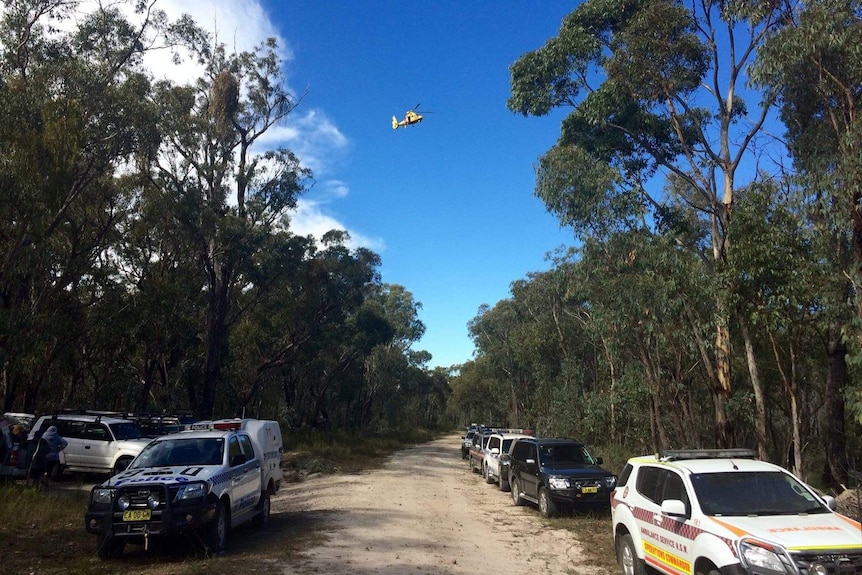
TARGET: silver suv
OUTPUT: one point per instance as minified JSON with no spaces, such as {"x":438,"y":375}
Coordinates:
{"x":723,"y":512}
{"x":96,"y":444}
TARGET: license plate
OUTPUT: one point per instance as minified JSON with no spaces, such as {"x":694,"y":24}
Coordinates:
{"x":589,"y":489}
{"x":137,"y":515}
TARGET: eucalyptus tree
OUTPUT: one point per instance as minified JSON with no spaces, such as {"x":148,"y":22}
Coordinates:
{"x":73,"y":109}
{"x":812,"y":65}
{"x":228,"y":196}
{"x":656,"y":88}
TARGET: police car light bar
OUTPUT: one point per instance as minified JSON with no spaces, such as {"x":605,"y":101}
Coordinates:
{"x":220,"y":425}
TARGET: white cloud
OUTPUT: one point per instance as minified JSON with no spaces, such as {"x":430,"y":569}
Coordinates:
{"x":309,"y":219}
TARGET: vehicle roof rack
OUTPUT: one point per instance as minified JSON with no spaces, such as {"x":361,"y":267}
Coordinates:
{"x":679,"y":454}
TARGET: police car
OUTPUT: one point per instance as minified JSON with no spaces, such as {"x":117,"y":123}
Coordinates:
{"x":723,"y":512}
{"x":208,"y":479}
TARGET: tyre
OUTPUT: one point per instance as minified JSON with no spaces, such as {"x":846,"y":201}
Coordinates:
{"x":516,"y":492}
{"x":473,"y":467}
{"x":264,"y":507}
{"x":109,"y":547}
{"x":215,"y":536}
{"x":485,"y":474}
{"x":502,"y":484}
{"x":546,"y":504}
{"x":627,"y":557}
{"x":121,"y":464}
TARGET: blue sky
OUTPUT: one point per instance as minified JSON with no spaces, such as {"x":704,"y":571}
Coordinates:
{"x":447,"y":204}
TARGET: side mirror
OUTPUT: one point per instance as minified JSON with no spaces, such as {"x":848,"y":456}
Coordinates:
{"x":505,"y":458}
{"x":599,"y":460}
{"x":495,"y":450}
{"x":673,"y":507}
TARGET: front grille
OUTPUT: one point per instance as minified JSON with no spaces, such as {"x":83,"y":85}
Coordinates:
{"x":835,"y":563}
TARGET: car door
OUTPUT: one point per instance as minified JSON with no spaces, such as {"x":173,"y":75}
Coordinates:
{"x":73,"y":432}
{"x":666,"y":543}
{"x":241,"y":477}
{"x":530,"y":471}
{"x":492,"y":457}
{"x":97,"y":448}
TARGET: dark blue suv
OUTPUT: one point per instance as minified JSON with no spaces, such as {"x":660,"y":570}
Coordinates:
{"x":558,"y":474}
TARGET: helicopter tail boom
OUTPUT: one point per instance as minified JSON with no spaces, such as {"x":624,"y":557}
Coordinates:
{"x":394,"y":123}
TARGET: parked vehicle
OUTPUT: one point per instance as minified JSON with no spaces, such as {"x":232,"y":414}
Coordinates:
{"x":467,"y":442}
{"x":208,"y":480}
{"x":496,"y":467}
{"x":476,"y":454}
{"x":557,"y":474}
{"x":96,"y":443}
{"x":12,"y":448}
{"x":724,"y":511}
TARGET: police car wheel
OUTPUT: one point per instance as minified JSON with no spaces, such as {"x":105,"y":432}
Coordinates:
{"x":265,"y":506}
{"x":216,"y":531}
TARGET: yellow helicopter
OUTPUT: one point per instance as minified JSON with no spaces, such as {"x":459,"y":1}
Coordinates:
{"x":410,"y":117}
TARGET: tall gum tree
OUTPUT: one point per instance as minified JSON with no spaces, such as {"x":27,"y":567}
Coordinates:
{"x":656,"y":88}
{"x":230,"y":197}
{"x":812,"y":65}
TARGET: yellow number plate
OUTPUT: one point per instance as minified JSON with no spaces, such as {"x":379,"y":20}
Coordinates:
{"x":589,"y":489}
{"x":137,"y":515}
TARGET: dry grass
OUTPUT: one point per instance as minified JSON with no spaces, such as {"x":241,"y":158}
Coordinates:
{"x":593,"y":530}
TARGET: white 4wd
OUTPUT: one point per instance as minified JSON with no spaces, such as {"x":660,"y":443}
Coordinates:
{"x":96,"y":444}
{"x":209,"y":479}
{"x":495,"y":470}
{"x":722,"y":512}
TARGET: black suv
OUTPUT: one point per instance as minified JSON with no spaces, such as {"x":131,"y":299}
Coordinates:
{"x":557,"y":474}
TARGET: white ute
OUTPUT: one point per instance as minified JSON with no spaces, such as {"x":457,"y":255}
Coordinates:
{"x":208,"y":479}
{"x":723,"y":512}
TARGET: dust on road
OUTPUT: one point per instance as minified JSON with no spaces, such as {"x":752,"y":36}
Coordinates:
{"x":424,"y":512}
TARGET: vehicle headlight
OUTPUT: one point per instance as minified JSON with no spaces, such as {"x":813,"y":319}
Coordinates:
{"x":152,"y":502}
{"x":558,"y":482}
{"x":103,"y":495}
{"x":191,"y":491}
{"x":766,"y":557}
{"x":123,"y":502}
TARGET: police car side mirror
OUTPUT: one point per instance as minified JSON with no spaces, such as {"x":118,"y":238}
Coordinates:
{"x":830,"y":502}
{"x":600,"y":460}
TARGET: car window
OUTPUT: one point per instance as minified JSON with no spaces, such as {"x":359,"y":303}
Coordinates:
{"x":624,"y":476}
{"x":179,"y":452}
{"x":754,"y":493}
{"x":126,"y":430}
{"x":95,"y":432}
{"x":70,"y":429}
{"x":493,"y":442}
{"x":565,"y":454}
{"x":234,"y":449}
{"x":648,"y":482}
{"x":674,"y":488}
{"x":531,"y":451}
{"x":247,"y":448}
{"x":507,"y":444}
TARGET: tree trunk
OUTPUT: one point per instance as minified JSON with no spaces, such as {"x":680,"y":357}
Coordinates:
{"x":757,"y":386}
{"x":835,"y":465}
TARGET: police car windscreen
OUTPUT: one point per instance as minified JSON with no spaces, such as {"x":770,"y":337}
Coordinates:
{"x":181,"y":452}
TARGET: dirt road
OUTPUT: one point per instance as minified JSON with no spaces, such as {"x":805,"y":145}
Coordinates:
{"x":424,"y":512}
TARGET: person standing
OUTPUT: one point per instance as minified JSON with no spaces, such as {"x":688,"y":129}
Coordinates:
{"x":55,"y":444}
